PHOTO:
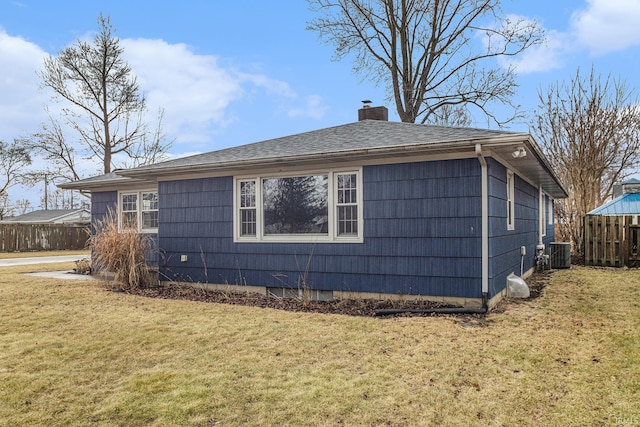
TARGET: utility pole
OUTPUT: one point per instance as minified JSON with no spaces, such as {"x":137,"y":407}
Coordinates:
{"x":46,"y":192}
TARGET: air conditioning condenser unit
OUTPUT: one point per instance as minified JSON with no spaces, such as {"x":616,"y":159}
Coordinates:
{"x":560,"y":254}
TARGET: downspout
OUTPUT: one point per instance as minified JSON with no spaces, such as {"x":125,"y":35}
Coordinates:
{"x":485,"y":226}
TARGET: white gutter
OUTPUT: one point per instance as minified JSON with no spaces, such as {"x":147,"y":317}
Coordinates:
{"x":378,"y":152}
{"x":485,"y":222}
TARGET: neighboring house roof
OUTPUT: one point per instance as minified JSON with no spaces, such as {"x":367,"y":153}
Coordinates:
{"x":51,"y":216}
{"x":631,"y":186}
{"x":363,"y":140}
{"x":627,"y":204}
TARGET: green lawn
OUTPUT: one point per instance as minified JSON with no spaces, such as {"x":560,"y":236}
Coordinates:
{"x":73,"y":353}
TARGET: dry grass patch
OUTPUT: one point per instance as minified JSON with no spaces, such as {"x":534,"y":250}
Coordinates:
{"x":72,"y":353}
{"x":121,"y":250}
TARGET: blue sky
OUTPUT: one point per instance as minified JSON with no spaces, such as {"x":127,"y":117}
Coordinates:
{"x":234,"y":72}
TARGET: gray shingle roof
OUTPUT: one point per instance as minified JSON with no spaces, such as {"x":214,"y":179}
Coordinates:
{"x":368,"y":139}
{"x":362,"y":135}
{"x":43,"y":216}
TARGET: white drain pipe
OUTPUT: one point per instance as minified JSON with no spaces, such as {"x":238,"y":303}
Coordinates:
{"x":485,"y":224}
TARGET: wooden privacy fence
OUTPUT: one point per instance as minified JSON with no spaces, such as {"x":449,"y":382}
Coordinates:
{"x":611,"y":241}
{"x":42,"y":237}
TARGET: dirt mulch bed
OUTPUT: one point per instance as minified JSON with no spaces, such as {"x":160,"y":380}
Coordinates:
{"x":352,"y":307}
{"x":347,"y":307}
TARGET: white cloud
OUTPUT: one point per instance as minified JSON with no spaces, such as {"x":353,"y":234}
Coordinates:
{"x":271,"y":86}
{"x":313,"y":108}
{"x":602,"y":26}
{"x":607,"y":25}
{"x":197,"y":92}
{"x":194,"y":90}
{"x":546,"y":56}
{"x":549,"y":55}
{"x":21,"y":102}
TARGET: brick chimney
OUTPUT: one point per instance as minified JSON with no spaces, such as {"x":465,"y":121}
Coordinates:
{"x":373,"y":113}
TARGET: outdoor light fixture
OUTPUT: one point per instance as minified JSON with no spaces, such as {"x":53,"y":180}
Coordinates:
{"x":519,"y":152}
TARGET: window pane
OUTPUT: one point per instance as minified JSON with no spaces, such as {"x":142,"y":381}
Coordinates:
{"x":295,"y":205}
{"x":150,"y":219}
{"x":347,"y":220}
{"x":129,"y":210}
{"x":129,"y":202}
{"x":247,"y":194}
{"x":248,"y":222}
{"x":347,"y":189}
{"x":149,"y":201}
{"x":130,"y":219}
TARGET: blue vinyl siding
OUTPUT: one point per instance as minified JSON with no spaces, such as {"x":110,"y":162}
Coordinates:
{"x":421,"y":236}
{"x":504,"y":245}
{"x":100,"y":204}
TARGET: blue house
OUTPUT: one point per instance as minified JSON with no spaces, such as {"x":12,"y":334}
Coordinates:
{"x":371,"y":209}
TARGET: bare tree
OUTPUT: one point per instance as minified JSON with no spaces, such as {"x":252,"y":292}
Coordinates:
{"x":60,"y":199}
{"x":50,"y":142}
{"x":427,"y":52}
{"x":151,"y":148}
{"x":6,"y":209}
{"x":21,"y":206}
{"x":61,"y":160}
{"x":590,"y":131}
{"x":13,"y":159}
{"x":105,"y":106}
{"x":448,"y":115}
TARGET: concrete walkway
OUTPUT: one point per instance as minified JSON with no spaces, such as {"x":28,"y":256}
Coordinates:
{"x":65,"y":275}
{"x":8,"y":262}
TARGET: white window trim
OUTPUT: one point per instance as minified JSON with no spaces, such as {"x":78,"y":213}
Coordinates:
{"x":511,"y":205}
{"x":332,"y":235}
{"x":550,"y":210}
{"x":542,"y":208}
{"x":138,"y":194}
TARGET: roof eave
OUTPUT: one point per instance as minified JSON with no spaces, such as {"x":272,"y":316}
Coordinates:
{"x":105,"y":184}
{"x":556,"y":189}
{"x":340,"y":155}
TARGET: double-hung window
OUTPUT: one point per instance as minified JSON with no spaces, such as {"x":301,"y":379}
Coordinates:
{"x":347,"y":204}
{"x":511,"y":205}
{"x":315,"y":207}
{"x":247,"y":208}
{"x":139,"y":210}
{"x":543,"y":213}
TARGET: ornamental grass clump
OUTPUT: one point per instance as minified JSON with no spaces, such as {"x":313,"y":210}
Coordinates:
{"x":121,"y":251}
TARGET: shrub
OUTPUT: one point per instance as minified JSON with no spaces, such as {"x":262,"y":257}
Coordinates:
{"x":121,"y":251}
{"x":83,"y":266}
